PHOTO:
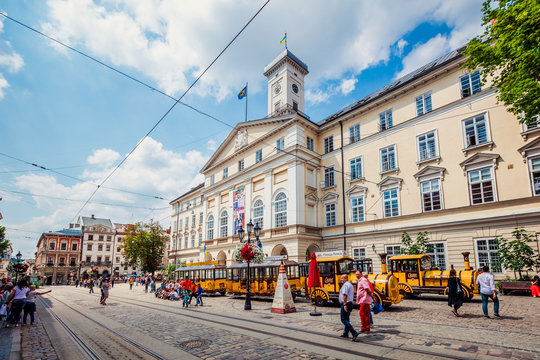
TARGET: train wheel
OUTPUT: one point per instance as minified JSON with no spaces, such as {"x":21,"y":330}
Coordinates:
{"x":221,"y":292}
{"x":319,"y":297}
{"x":405,"y":290}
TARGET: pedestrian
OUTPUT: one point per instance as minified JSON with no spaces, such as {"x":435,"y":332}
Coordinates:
{"x":112,"y":282}
{"x":199,"y":295}
{"x":4,"y":294}
{"x":131,"y":283}
{"x":30,"y":303}
{"x":16,"y":301}
{"x":364,"y":297}
{"x":91,"y":286}
{"x":185,"y":294}
{"x":535,"y":286}
{"x":455,"y":291}
{"x":105,"y":290}
{"x":193,"y":291}
{"x":146,"y":284}
{"x":153,"y":286}
{"x":76,"y":283}
{"x":486,"y":283}
{"x":346,"y":296}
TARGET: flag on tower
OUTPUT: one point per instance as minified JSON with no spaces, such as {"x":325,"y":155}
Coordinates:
{"x":243,"y":93}
{"x":284,"y":40}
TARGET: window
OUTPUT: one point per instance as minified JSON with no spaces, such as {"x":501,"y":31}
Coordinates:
{"x":186,"y":242}
{"x":427,"y":146}
{"x":100,"y":247}
{"x":328,"y":144}
{"x":393,"y":250}
{"x":357,"y":206}
{"x":212,"y":178}
{"x":89,"y":247}
{"x":72,"y":262}
{"x":210,"y":228}
{"x":193,"y":217}
{"x":180,"y":224}
{"x":101,"y":237}
{"x":388,"y":158}
{"x":470,"y":84}
{"x":62,"y":261}
{"x":200,"y":238}
{"x":223,"y":224}
{"x":118,"y":249}
{"x":534,"y":168}
{"x":487,"y":250}
{"x":475,"y":131}
{"x":258,"y":213}
{"x":438,"y":255}
{"x":194,"y":202}
{"x":187,"y":222}
{"x":90,"y":237}
{"x":258,"y":155}
{"x":385,"y":120}
{"x":431,"y":195}
{"x":280,"y":144}
{"x":108,"y":247}
{"x":119,"y":239}
{"x":359,"y":253}
{"x":117,"y":259}
{"x":107,"y":259}
{"x":356,"y":168}
{"x":241,"y":165}
{"x":481,"y":186}
{"x":310,"y":144}
{"x":51,"y":245}
{"x":280,"y":207}
{"x":99,"y":259}
{"x":201,"y":218}
{"x":330,"y":214}
{"x":193,"y":240}
{"x":295,"y":105}
{"x":88,"y":259}
{"x":225,"y":173}
{"x":534,"y":123}
{"x":354,"y":133}
{"x":423,"y":104}
{"x":74,"y":247}
{"x":328,"y":177}
{"x":391,"y":203}
{"x":109,"y":238}
{"x":63,"y":246}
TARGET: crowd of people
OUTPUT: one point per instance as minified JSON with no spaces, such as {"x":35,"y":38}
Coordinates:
{"x":183,"y":288}
{"x":18,"y":300}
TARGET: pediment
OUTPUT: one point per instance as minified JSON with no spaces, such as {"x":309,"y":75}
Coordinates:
{"x":530,"y":148}
{"x":311,"y":199}
{"x":357,"y":190}
{"x":429,"y":172}
{"x":390,"y":182}
{"x":329,"y":197}
{"x":479,"y":159}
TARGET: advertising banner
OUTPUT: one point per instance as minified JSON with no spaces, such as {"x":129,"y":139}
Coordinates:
{"x":238,"y":209}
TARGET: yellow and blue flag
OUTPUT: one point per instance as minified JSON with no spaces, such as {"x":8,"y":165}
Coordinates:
{"x":205,"y":252}
{"x":284,"y":39}
{"x":243,"y":93}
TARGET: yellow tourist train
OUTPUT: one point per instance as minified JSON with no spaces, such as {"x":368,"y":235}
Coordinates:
{"x":333,"y":266}
{"x":415,"y":275}
{"x":210,"y":274}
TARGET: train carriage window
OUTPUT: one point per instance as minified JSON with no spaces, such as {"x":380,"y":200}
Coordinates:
{"x":293,"y":272}
{"x":220,"y":273}
{"x":426,"y":263}
{"x":345,"y":266}
{"x":326,"y":269}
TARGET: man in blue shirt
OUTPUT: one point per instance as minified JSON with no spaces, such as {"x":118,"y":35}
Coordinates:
{"x":486,"y":283}
{"x":346,"y":296}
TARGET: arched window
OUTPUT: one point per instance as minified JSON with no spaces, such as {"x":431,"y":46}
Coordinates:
{"x":223,"y":219}
{"x":258,"y":213}
{"x":280,"y":210}
{"x":210,"y":228}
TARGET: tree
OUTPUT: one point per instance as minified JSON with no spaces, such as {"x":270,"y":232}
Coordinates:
{"x":416,"y":247}
{"x":144,"y":246}
{"x":4,"y":243}
{"x":516,"y":254}
{"x":509,"y":52}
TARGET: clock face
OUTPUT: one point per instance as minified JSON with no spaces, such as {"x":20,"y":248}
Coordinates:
{"x":277,"y":89}
{"x":295,"y":88}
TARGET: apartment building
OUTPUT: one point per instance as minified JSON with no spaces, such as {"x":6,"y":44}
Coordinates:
{"x":98,"y":245}
{"x":58,"y":256}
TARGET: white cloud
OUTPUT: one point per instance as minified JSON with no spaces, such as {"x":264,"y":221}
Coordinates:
{"x":348,"y":85}
{"x":424,"y":53}
{"x":212,"y":145}
{"x":400,"y":46}
{"x":317,"y":96}
{"x":103,"y":157}
{"x":14,"y":62}
{"x":3,"y":85}
{"x":8,"y":59}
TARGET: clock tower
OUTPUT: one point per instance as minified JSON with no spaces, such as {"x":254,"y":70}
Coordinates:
{"x":285,"y":84}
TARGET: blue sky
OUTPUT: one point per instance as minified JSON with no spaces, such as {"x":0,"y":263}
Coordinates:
{"x":65,"y":112}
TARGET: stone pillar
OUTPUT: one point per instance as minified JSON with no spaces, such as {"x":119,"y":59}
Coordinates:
{"x":268,"y":204}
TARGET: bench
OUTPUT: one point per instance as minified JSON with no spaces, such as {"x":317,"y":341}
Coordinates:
{"x":507,"y":287}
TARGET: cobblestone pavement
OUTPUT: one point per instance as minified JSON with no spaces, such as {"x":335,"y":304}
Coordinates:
{"x":425,"y":324}
{"x":35,"y":342}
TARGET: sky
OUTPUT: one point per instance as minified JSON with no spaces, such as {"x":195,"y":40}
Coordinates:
{"x":78,"y":119}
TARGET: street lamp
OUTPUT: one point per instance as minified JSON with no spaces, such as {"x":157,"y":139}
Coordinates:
{"x":17,"y":267}
{"x":257,"y":231}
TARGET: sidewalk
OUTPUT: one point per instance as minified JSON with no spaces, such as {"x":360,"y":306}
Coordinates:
{"x":10,"y":342}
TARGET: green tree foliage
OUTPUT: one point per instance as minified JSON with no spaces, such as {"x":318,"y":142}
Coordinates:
{"x":509,"y":52}
{"x":144,"y":246}
{"x":516,"y":254}
{"x":4,"y":243}
{"x":414,"y":247}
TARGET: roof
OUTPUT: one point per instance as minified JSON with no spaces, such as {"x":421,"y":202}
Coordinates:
{"x":92,"y":221}
{"x":263,"y":264}
{"x":408,"y":257}
{"x":70,"y":232}
{"x":429,"y":67}
{"x":193,"y":189}
{"x":201,"y":267}
{"x":332,"y":258}
{"x":285,"y":53}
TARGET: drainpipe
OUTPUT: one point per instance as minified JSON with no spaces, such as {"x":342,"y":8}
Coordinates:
{"x":343,"y":190}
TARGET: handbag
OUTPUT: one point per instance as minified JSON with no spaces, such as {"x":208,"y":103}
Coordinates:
{"x":377,"y":308}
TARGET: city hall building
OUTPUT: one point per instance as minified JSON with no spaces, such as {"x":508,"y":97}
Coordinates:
{"x":432,"y":151}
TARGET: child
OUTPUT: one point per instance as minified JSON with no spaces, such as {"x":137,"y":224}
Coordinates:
{"x":30,"y":303}
{"x":199,"y":295}
{"x":185,"y":294}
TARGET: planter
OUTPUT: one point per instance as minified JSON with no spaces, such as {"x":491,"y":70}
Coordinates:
{"x":509,"y":287}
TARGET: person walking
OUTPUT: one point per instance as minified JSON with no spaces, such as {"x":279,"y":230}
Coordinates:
{"x":185,"y":294}
{"x":91,"y":286}
{"x":131,"y":283}
{"x":16,"y":301}
{"x":346,"y":295}
{"x":535,"y":286}
{"x":364,"y":297}
{"x":199,"y":295}
{"x":486,"y":283}
{"x":455,"y":291}
{"x":30,"y":303}
{"x":105,"y":290}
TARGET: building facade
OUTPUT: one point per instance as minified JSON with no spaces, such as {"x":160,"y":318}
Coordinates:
{"x":5,"y":260}
{"x":98,"y":245}
{"x":433,"y":151}
{"x":58,"y":256}
{"x":120,"y":265}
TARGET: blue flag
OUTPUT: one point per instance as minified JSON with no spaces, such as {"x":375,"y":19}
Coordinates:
{"x":259,"y":244}
{"x":243,"y":93}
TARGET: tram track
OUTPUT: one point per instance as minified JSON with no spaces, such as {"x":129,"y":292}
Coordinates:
{"x":287,"y":337}
{"x":86,"y":348}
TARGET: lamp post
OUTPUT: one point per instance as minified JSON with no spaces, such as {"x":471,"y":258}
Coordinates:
{"x":17,"y":266}
{"x":241,"y":232}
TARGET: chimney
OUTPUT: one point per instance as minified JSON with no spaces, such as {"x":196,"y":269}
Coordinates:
{"x":93,"y":217}
{"x":71,"y":226}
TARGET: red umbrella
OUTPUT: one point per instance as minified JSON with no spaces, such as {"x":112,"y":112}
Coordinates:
{"x":314,"y":279}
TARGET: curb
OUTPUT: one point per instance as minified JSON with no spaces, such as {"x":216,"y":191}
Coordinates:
{"x":15,"y":351}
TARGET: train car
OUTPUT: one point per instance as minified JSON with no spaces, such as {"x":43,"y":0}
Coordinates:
{"x":263,"y":278}
{"x":416,"y":276}
{"x":211,"y":275}
{"x":331,"y":268}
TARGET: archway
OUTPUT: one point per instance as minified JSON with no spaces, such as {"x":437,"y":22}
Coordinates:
{"x":222,"y":258}
{"x":279,"y":250}
{"x":313,"y":248}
